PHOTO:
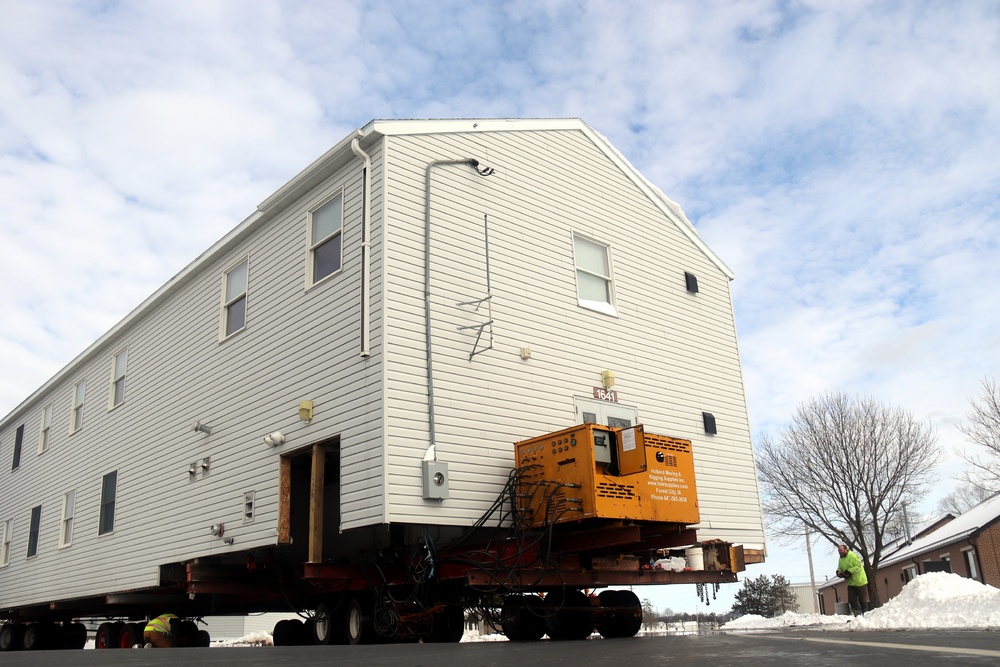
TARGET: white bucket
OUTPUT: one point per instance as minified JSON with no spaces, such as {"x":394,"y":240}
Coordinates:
{"x":695,"y":558}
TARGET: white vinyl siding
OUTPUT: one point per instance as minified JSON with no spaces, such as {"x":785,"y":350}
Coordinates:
{"x":675,"y":357}
{"x":119,"y":362}
{"x":234,"y":303}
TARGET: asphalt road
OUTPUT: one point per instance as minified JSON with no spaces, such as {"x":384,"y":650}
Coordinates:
{"x":765,"y":649}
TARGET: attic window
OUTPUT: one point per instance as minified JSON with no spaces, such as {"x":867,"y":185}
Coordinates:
{"x":691,"y":281}
{"x":709,"y":420}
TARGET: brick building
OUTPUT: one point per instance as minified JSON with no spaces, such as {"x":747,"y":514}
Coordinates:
{"x":968,"y":545}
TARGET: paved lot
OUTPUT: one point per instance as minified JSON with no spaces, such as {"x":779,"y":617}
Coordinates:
{"x":766,"y":649}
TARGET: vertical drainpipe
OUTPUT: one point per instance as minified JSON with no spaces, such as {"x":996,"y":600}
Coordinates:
{"x":365,"y":247}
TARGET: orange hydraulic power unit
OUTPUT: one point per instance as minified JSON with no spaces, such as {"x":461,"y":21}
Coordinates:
{"x":595,"y":471}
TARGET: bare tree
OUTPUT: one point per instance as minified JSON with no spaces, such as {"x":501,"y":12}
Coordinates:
{"x":982,"y":427}
{"x":844,"y":468}
{"x":962,"y":499}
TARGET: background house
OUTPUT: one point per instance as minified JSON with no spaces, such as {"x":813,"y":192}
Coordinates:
{"x":968,"y":545}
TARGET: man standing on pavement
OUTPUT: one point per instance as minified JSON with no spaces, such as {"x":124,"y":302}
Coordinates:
{"x":852,"y":569}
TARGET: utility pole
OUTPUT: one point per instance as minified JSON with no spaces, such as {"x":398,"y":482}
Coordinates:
{"x":812,"y":574}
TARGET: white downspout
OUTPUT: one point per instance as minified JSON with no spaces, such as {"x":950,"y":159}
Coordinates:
{"x":365,"y":248}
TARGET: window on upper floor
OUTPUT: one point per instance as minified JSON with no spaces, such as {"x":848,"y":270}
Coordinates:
{"x":45,"y":428}
{"x":76,"y":412}
{"x":326,"y":224}
{"x":594,"y":283}
{"x":118,"y":364}
{"x":109,"y":491}
{"x":234,"y":306}
{"x":18,"y":443}
{"x":36,"y":522}
{"x":68,"y":512}
{"x":8,"y":538}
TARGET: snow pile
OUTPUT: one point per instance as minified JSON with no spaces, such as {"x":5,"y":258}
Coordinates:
{"x":252,"y":639}
{"x":937,"y":600}
{"x":932,"y":600}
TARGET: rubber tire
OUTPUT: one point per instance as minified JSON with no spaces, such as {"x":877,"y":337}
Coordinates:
{"x":107,"y":636}
{"x":11,"y":636}
{"x":282,"y":633}
{"x":568,"y":615}
{"x":184,"y":633}
{"x":203,"y":639}
{"x":74,"y":636}
{"x":447,"y":626}
{"x":522,"y":618}
{"x":630,"y":614}
{"x":358,"y":624}
{"x":296,"y":632}
{"x":130,"y":634}
{"x":329,"y":625}
{"x":37,"y":637}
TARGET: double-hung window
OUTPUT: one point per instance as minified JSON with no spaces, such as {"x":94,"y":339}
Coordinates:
{"x":36,"y":522}
{"x":118,"y":364}
{"x":76,"y":412}
{"x":18,"y":443}
{"x":8,"y":537}
{"x":45,"y":429}
{"x":326,"y":225}
{"x":234,"y":307}
{"x":594,"y":284}
{"x":68,"y":511}
{"x":109,"y":489}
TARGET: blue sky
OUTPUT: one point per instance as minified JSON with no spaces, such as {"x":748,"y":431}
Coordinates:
{"x":840,"y":156}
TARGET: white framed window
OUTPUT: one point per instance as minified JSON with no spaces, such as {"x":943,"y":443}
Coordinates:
{"x":326,"y":224}
{"x":45,"y":429}
{"x":76,"y":408}
{"x":248,"y":506}
{"x":234,"y":300}
{"x":909,"y":574}
{"x":18,"y":444}
{"x":68,"y":512}
{"x":8,"y":538}
{"x":109,"y":492}
{"x":33,"y":528}
{"x":594,"y":283}
{"x":118,"y":364}
{"x":969,"y":556}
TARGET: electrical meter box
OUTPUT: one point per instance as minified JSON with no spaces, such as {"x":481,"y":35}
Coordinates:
{"x":595,"y":471}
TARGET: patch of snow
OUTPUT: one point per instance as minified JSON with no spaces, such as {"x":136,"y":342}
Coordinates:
{"x":932,"y":600}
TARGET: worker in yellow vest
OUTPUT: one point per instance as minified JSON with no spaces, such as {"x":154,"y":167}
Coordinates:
{"x":157,"y":633}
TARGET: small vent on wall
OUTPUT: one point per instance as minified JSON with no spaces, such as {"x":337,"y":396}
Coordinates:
{"x":691,"y":281}
{"x":709,"y":419}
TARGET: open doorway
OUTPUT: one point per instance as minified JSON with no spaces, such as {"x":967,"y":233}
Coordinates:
{"x":309,"y":501}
